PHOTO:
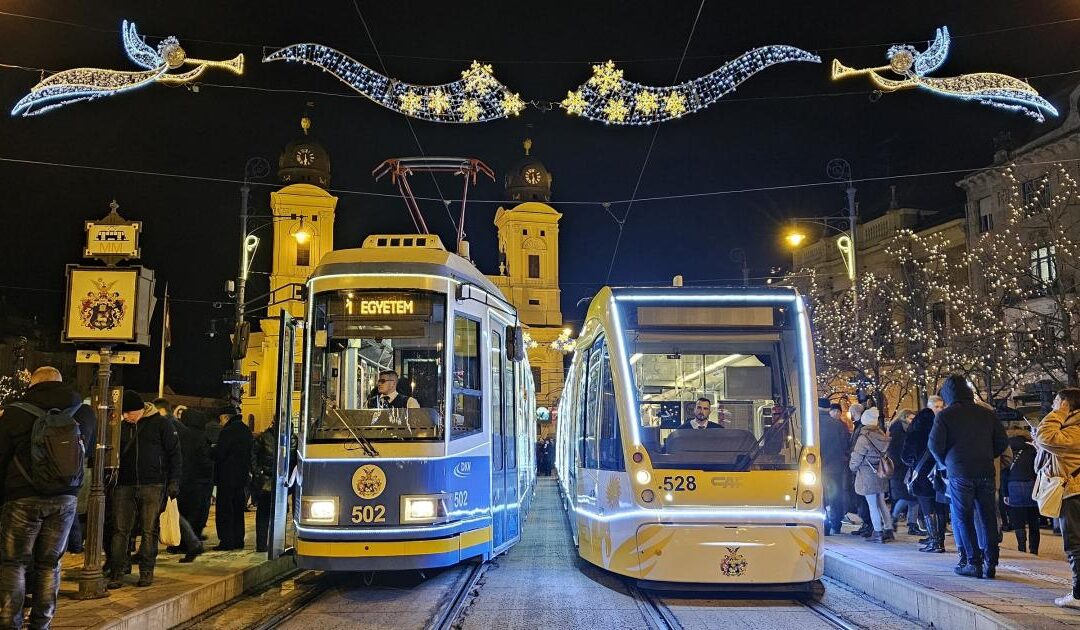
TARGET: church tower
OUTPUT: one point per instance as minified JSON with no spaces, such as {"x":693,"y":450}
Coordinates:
{"x":529,"y":268}
{"x":303,"y":232}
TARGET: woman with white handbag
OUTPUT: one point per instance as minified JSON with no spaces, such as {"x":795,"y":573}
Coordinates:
{"x":1057,"y":485}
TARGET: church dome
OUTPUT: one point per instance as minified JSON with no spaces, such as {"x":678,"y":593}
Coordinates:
{"x":304,"y":160}
{"x":528,"y":179}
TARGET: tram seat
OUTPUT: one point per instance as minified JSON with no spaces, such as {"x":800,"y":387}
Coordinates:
{"x":726,"y":448}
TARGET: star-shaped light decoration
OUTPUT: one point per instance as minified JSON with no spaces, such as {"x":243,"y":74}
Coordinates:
{"x":616,"y":110}
{"x":606,"y":77}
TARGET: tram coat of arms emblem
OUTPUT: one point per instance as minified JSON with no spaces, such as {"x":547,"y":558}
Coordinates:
{"x":103,"y":308}
{"x":733,"y":564}
{"x":369,"y":481}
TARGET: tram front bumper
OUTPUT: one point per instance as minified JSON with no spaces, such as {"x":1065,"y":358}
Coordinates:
{"x":732,"y":555}
{"x":392,"y":555}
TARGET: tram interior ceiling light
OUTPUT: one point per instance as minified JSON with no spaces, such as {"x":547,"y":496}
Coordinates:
{"x":476,"y":97}
{"x":84,"y":84}
{"x":609,"y":98}
{"x":987,"y":88}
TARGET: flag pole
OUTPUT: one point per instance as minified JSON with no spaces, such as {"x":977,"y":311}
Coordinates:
{"x":164,"y":338}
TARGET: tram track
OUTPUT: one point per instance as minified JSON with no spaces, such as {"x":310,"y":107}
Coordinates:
{"x":828,"y":615}
{"x":449,"y":616}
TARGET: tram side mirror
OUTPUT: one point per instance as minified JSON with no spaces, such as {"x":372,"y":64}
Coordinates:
{"x":515,"y":343}
{"x":240,"y":341}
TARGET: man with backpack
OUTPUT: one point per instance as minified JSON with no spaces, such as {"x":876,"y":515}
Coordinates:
{"x":150,"y":470}
{"x":966,"y":439}
{"x":41,"y":466}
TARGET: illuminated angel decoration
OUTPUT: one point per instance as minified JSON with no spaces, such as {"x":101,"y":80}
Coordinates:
{"x":477,"y":97}
{"x":84,"y":84}
{"x":988,"y":88}
{"x":607,"y":97}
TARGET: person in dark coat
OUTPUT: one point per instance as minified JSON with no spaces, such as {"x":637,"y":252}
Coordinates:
{"x":966,"y":439}
{"x":197,"y":485}
{"x":33,"y":527}
{"x":917,"y":456}
{"x":1019,"y":484}
{"x":834,"y":462}
{"x":902,"y":499}
{"x":189,"y":541}
{"x":232,"y":467}
{"x":263,"y":475}
{"x":150,"y":470}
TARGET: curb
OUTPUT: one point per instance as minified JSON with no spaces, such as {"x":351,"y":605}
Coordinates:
{"x":925,"y":604}
{"x":191,"y":604}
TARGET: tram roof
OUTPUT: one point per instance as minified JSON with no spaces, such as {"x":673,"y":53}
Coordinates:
{"x":701,"y":293}
{"x":430,"y":260}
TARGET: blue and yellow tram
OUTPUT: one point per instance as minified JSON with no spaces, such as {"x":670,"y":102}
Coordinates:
{"x":438,"y":469}
{"x":688,"y":438}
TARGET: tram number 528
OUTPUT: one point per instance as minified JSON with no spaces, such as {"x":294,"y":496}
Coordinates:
{"x":369,"y":514}
{"x":678,"y":483}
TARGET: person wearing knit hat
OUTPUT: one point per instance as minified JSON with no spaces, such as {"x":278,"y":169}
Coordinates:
{"x":866,"y":457}
{"x":150,"y":470}
{"x":855,"y":501}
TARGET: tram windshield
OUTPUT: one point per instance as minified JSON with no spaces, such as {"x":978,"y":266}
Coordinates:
{"x":715,"y":400}
{"x":377,"y":367}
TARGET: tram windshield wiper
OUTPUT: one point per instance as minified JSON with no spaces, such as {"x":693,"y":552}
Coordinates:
{"x":365,"y":444}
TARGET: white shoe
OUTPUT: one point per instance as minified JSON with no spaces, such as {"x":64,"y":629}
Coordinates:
{"x":853,"y":518}
{"x":1068,"y":601}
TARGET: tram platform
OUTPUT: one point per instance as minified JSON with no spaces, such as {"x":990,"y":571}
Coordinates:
{"x":180,"y":591}
{"x":924,"y":587}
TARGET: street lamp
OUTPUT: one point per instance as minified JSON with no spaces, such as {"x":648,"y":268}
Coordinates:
{"x":254,"y":168}
{"x":795,"y":238}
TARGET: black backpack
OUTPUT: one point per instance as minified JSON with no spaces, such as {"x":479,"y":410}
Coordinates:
{"x":57,"y":454}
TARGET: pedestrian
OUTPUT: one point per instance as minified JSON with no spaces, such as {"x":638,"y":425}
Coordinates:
{"x":549,"y":456}
{"x":1059,"y":436}
{"x":1019,"y":487}
{"x":857,"y":503}
{"x":902,"y":498}
{"x":917,"y":457}
{"x":263,"y":474}
{"x":150,"y":471}
{"x":87,"y":421}
{"x":834,"y":462}
{"x":197,"y":483}
{"x":966,"y":439}
{"x":866,"y":460}
{"x":39,"y":481}
{"x":189,"y":545}
{"x":232,"y":466}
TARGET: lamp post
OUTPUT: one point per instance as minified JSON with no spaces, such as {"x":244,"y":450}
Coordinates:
{"x":255,"y":168}
{"x":738,"y":256}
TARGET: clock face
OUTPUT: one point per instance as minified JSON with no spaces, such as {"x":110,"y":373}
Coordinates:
{"x":532,"y":176}
{"x":305,"y":157}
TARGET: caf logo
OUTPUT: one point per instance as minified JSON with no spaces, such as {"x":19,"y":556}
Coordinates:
{"x":369,"y":481}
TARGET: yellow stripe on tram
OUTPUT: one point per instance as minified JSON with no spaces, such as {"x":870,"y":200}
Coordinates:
{"x":331,"y":549}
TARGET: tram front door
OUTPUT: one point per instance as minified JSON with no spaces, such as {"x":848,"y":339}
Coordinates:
{"x":505,"y":503}
{"x":280,"y":542}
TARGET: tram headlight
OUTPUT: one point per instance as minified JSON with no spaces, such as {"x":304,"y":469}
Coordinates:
{"x":319,"y":510}
{"x":422,"y":509}
{"x":643,"y":477}
{"x":808,"y":478}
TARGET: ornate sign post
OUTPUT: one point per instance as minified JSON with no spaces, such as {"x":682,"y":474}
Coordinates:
{"x":106,"y":306}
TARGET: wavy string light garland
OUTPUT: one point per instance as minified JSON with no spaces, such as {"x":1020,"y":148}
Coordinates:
{"x":988,"y":88}
{"x":476,"y":97}
{"x":607,"y":97}
{"x":83,"y":84}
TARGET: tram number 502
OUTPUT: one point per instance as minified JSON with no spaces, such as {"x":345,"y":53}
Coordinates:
{"x":369,"y":514}
{"x":678,"y":483}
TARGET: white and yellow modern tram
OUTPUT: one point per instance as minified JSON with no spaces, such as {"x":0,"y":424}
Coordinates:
{"x":653,"y":498}
{"x":444,"y":471}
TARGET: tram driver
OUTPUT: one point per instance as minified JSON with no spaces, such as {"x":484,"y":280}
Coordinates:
{"x":387,"y":396}
{"x":701,"y":416}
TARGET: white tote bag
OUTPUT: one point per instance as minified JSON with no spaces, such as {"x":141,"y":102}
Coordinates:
{"x":170,"y":524}
{"x":1049,"y":489}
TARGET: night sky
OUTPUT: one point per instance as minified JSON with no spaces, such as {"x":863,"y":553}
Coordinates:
{"x":778,"y":130}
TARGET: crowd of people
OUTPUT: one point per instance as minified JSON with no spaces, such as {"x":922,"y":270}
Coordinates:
{"x":47,"y":447}
{"x":545,"y":456}
{"x":953,"y":465}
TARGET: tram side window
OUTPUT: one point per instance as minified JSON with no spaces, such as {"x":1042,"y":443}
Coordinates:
{"x":579,"y":407}
{"x":509,"y":428}
{"x":611,"y":452}
{"x":592,"y":406}
{"x":496,"y":401}
{"x":466,"y":378}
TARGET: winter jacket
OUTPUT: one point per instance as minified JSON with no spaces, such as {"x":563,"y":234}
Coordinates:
{"x":834,"y":443}
{"x":1059,"y":435}
{"x":17,"y":425}
{"x":966,"y":437}
{"x":872,"y":443}
{"x":232,"y":454}
{"x":915,"y":440}
{"x":149,"y":450}
{"x":195,"y":446}
{"x":897,"y":439}
{"x":1023,"y":464}
{"x":264,"y":460}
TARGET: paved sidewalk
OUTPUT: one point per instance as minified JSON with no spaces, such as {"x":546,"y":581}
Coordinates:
{"x":180,"y":591}
{"x":924,"y":585}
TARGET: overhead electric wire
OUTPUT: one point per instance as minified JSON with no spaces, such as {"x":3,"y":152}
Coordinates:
{"x":569,"y":202}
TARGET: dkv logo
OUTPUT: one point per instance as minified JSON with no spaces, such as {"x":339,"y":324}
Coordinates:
{"x":463,"y":469}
